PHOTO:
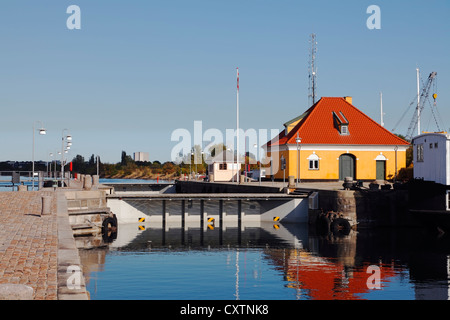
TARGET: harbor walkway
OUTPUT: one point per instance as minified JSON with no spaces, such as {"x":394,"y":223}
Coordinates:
{"x":36,"y":249}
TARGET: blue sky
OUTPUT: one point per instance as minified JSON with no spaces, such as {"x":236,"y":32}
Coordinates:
{"x":138,"y":70}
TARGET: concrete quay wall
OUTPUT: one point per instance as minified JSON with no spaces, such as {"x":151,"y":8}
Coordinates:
{"x":369,"y":208}
{"x":215,"y":187}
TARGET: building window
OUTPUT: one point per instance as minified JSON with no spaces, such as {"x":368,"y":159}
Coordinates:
{"x":222,"y":166}
{"x":447,"y":200}
{"x":420,"y":152}
{"x":435,"y":145}
{"x":344,"y":129}
{"x":340,"y":123}
{"x":313,"y":162}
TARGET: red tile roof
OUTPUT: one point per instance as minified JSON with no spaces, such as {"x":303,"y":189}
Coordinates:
{"x":319,"y":126}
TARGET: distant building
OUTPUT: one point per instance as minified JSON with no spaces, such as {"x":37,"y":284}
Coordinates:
{"x":141,"y":156}
{"x":223,"y":167}
{"x":335,"y":141}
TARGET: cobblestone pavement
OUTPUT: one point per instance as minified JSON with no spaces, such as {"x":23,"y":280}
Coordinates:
{"x":28,"y":243}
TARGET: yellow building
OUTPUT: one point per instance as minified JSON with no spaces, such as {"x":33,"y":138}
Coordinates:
{"x":333,"y":140}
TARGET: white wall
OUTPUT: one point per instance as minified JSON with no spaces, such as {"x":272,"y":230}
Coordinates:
{"x":225,"y":175}
{"x":130,"y":211}
{"x":435,"y":165}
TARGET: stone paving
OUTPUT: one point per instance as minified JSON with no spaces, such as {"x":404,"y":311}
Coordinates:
{"x":36,"y":249}
{"x":28,"y":244}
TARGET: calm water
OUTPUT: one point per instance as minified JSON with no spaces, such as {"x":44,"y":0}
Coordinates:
{"x":281,"y":262}
{"x":5,"y":184}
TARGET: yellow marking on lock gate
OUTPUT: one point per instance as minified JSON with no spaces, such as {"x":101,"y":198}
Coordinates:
{"x":276,"y":218}
{"x":275,"y":226}
{"x":141,"y":228}
{"x":211,"y":225}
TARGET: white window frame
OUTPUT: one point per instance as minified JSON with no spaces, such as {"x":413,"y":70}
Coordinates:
{"x":313,"y":160}
{"x":419,"y":152}
{"x":447,"y":199}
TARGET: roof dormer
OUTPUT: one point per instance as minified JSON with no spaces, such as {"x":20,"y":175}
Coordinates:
{"x":340,"y":123}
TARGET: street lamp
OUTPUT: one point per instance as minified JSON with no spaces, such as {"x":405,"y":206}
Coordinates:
{"x":232,"y":165}
{"x":49,"y":169}
{"x":259,"y":157}
{"x":42,"y":131}
{"x":298,"y":140}
{"x":190,"y":163}
{"x":395,"y":149}
{"x":67,"y":138}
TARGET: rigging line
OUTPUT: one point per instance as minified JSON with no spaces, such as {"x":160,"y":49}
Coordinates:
{"x":434,"y":115}
{"x":404,"y":114}
{"x":439,"y":117}
{"x":435,"y":90}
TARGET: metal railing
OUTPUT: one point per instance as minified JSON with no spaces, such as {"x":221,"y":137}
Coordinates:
{"x":13,"y":179}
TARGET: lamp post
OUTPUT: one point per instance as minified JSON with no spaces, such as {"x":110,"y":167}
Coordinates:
{"x":67,"y":138}
{"x":232,"y":165}
{"x":42,"y":131}
{"x":203,"y":168}
{"x":259,"y":158}
{"x":190,"y":163}
{"x":49,"y":164}
{"x":298,"y":140}
{"x":395,"y":149}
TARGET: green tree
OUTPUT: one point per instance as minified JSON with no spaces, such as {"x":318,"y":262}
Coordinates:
{"x":216,"y":149}
{"x":409,"y":156}
{"x":123,"y":158}
{"x":126,"y":159}
{"x":79,"y":164}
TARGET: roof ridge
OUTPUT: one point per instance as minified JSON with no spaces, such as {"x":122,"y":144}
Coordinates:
{"x":379,"y":125}
{"x":303,"y":121}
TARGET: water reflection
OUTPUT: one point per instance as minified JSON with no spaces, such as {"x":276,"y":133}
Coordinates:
{"x":271,"y":261}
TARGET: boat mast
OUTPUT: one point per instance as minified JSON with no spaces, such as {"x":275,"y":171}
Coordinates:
{"x":381,"y":109}
{"x":418,"y":103}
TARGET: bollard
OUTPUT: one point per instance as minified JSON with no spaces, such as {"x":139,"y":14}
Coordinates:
{"x":46,"y":205}
{"x":95,"y":180}
{"x":291,"y":182}
{"x":374,"y":186}
{"x":9,"y":291}
{"x":87,"y":182}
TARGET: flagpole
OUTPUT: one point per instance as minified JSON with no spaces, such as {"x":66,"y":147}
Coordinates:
{"x":237,"y":127}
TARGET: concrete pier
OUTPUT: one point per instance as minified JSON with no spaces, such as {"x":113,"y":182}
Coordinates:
{"x":36,"y":249}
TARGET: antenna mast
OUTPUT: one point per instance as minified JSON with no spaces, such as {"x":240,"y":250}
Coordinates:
{"x":312,"y":70}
